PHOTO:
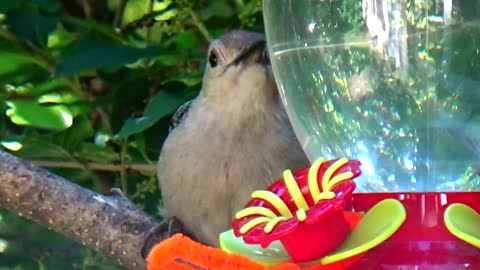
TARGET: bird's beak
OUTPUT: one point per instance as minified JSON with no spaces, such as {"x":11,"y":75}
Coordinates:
{"x":257,"y":52}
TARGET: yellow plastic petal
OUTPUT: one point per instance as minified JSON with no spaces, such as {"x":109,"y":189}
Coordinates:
{"x":255,"y":210}
{"x":294,"y":190}
{"x":313,"y":178}
{"x":378,"y":224}
{"x":325,"y":195}
{"x":272,"y":223}
{"x":463,"y":222}
{"x":274,"y":200}
{"x":330,"y":171}
{"x":252,"y":223}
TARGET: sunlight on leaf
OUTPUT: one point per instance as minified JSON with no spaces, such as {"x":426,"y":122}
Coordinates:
{"x":11,"y":145}
{"x":3,"y":245}
{"x":101,"y":138}
{"x":59,"y":38}
{"x":167,"y":15}
{"x":58,"y":98}
{"x":20,"y":89}
{"x":135,"y":10}
{"x":28,"y":113}
{"x":161,"y":5}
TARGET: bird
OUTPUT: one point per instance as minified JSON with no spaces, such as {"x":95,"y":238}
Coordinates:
{"x":232,"y":139}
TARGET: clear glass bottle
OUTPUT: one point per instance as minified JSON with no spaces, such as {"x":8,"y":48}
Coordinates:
{"x":393,"y":83}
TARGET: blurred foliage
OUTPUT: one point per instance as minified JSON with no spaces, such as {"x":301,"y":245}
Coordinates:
{"x":92,"y":82}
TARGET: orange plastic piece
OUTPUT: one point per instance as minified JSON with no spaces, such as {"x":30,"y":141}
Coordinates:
{"x":181,"y":253}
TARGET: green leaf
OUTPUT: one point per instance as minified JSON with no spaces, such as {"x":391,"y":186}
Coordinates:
{"x":28,"y":113}
{"x":186,"y":40}
{"x":163,"y":104}
{"x":59,"y":98}
{"x":36,"y":148}
{"x":161,"y":5}
{"x":171,"y":59}
{"x":93,"y":26}
{"x":73,"y":136}
{"x":96,"y":54}
{"x":166,"y":15}
{"x":187,"y":79}
{"x":52,"y":91}
{"x":18,"y":68}
{"x":8,"y":5}
{"x":135,"y":10}
{"x":11,"y":62}
{"x":48,"y":6}
{"x":32,"y":26}
{"x":46,"y":87}
{"x":61,"y":38}
{"x":92,"y":152}
{"x":80,"y":108}
{"x":219,"y":8}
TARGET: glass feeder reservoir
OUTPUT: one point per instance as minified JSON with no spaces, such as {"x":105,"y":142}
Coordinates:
{"x":395,"y":84}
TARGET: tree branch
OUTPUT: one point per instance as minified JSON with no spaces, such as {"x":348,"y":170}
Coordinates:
{"x":112,"y":225}
{"x":138,"y":167}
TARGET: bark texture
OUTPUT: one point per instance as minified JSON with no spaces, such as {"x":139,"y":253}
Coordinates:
{"x":112,"y":224}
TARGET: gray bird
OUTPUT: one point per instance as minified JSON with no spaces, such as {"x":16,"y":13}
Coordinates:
{"x":232,"y":139}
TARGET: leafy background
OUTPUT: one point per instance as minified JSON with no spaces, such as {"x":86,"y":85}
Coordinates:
{"x":87,"y":90}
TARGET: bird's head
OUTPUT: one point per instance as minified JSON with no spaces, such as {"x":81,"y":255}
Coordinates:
{"x":238,"y":69}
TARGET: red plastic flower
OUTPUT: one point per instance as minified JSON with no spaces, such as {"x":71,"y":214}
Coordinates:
{"x":303,"y":210}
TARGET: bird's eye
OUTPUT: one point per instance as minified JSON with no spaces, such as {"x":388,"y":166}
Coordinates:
{"x":212,"y":59}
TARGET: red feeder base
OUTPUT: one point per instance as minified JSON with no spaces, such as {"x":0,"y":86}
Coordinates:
{"x":313,"y":241}
{"x":422,"y":242}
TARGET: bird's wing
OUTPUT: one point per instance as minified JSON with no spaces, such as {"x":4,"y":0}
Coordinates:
{"x":180,"y":114}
